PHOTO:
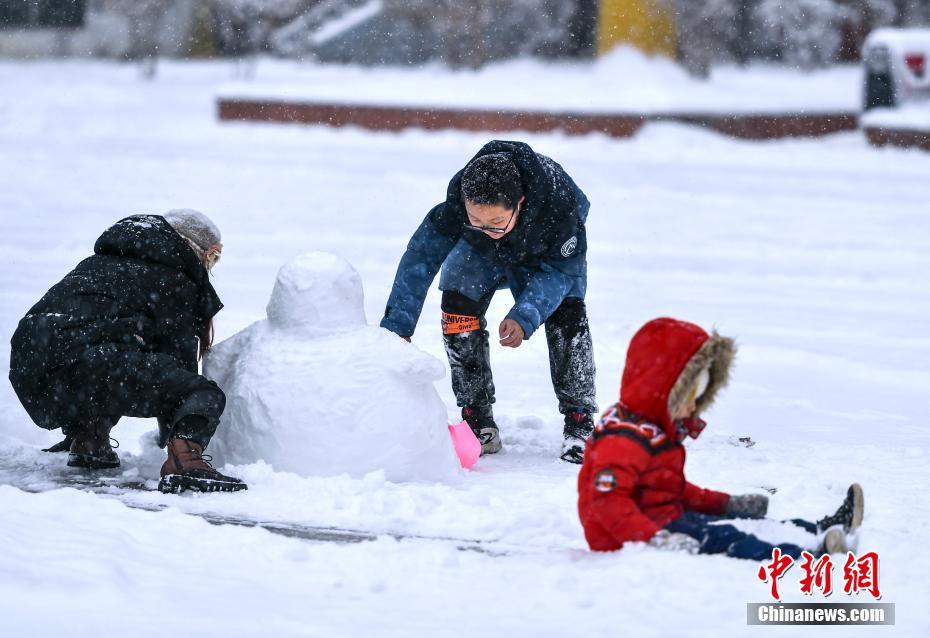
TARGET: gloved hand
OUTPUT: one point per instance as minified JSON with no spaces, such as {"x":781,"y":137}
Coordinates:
{"x":747,"y":506}
{"x":675,"y":541}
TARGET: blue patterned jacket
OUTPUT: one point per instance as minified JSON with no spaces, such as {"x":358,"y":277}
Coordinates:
{"x":549,"y":238}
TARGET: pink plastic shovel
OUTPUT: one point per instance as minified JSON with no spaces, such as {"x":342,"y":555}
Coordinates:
{"x":466,"y":444}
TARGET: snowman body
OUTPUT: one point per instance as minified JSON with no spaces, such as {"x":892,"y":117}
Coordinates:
{"x":316,"y":391}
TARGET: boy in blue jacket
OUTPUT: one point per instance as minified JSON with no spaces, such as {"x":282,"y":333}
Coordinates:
{"x":512,"y":218}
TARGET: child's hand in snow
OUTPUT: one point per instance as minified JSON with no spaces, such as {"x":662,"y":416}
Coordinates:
{"x":747,"y":506}
{"x":675,"y":541}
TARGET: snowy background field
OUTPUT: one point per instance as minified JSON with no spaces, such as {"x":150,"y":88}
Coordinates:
{"x":813,"y":254}
{"x":623,"y":81}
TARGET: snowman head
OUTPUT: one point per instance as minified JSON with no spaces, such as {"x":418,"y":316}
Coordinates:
{"x":317,"y":293}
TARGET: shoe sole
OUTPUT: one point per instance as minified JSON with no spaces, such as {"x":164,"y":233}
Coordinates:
{"x":858,"y":507}
{"x":491,"y":447}
{"x":88,"y":462}
{"x":835,"y":541}
{"x":175,"y":484}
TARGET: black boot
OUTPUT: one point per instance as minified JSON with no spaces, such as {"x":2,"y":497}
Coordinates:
{"x":578,"y":427}
{"x":90,"y":447}
{"x":849,"y":514}
{"x":62,"y":446}
{"x":481,"y":422}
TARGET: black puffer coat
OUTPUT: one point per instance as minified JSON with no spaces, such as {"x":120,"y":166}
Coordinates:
{"x":143,"y":290}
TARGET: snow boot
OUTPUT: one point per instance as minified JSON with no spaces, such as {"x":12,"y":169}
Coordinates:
{"x":188,"y":469}
{"x":849,"y":514}
{"x":835,"y":542}
{"x":90,"y":447}
{"x":578,"y":427}
{"x":481,"y":422}
{"x":62,"y":446}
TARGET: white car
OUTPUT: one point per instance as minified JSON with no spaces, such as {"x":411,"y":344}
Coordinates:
{"x":896,"y":67}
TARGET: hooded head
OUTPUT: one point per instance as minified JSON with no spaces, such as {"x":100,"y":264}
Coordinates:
{"x":200,"y":233}
{"x":666,"y":361}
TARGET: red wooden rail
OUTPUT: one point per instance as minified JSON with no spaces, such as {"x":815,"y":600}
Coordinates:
{"x":391,"y":118}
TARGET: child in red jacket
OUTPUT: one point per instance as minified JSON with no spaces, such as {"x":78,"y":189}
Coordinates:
{"x":632,"y":485}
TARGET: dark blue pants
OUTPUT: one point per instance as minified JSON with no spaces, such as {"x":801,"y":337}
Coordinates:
{"x":717,"y":538}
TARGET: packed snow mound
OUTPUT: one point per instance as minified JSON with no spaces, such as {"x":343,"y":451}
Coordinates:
{"x":316,"y":391}
{"x":317,"y":293}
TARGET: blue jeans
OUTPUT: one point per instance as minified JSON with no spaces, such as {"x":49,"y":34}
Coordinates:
{"x":726,"y":539}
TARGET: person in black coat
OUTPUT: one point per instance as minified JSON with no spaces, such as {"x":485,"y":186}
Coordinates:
{"x":121,"y":335}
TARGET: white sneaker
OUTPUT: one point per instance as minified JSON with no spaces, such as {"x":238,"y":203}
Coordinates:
{"x":572,"y":450}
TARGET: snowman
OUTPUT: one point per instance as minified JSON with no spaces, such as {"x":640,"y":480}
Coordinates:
{"x":314,"y":390}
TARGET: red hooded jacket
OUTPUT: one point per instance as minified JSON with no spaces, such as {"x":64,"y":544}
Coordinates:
{"x":632,"y":481}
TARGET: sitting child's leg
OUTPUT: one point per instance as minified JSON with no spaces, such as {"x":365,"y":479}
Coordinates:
{"x":807,"y":526}
{"x":726,"y":539}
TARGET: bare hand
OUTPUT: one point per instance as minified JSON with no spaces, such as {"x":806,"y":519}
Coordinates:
{"x":511,"y":333}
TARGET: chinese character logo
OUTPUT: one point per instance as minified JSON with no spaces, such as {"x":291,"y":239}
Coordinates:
{"x":775,"y":570}
{"x":817,"y":574}
{"x":859,"y":574}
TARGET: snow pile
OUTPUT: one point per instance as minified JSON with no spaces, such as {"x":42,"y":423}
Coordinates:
{"x":316,"y":391}
{"x":913,"y":117}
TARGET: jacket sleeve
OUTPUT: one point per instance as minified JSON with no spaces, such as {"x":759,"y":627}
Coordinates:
{"x":564,"y":264}
{"x":426,"y":251}
{"x":544,"y":292}
{"x":697,"y":499}
{"x":615,"y":510}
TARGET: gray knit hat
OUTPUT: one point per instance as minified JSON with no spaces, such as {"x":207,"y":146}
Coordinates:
{"x":196,"y":228}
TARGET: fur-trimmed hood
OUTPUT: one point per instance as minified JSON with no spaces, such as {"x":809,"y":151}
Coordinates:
{"x":663,"y":363}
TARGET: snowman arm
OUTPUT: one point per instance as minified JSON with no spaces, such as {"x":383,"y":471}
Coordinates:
{"x":426,"y":251}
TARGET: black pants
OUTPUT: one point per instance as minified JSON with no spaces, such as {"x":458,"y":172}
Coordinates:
{"x":571,"y":357}
{"x":110,"y":382}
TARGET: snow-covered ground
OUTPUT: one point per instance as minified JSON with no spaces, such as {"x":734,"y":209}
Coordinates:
{"x":913,"y":117}
{"x":811,"y":253}
{"x":623,"y":81}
